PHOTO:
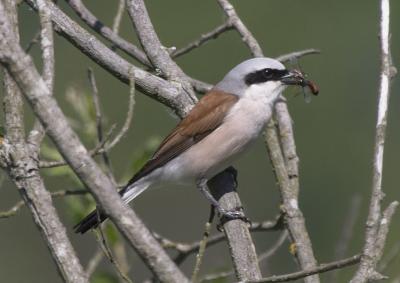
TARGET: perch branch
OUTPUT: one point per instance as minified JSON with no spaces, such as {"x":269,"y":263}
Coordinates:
{"x":263,"y":256}
{"x":243,"y":253}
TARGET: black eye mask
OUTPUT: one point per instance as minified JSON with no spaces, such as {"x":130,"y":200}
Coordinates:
{"x":264,"y":75}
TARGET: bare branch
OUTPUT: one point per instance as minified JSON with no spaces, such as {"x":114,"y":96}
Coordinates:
{"x":93,"y":22}
{"x":94,"y":262}
{"x":100,"y":147}
{"x":324,"y":267}
{"x":246,"y":35}
{"x":243,"y":253}
{"x":118,"y":16}
{"x":297,"y":54}
{"x":129,"y":116}
{"x":156,"y":52}
{"x":16,"y":207}
{"x":45,"y":107}
{"x":288,"y":186}
{"x":201,"y":251}
{"x":347,"y":232}
{"x":263,"y":256}
{"x":185,"y":249}
{"x":107,"y":252}
{"x":392,"y":255}
{"x":293,"y":216}
{"x":213,"y":34}
{"x":33,"y":41}
{"x":165,"y":92}
{"x":99,"y":123}
{"x":47,"y":46}
{"x":374,"y":233}
{"x":270,"y":252}
{"x":23,"y":169}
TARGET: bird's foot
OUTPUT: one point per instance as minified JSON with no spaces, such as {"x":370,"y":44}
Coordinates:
{"x":234,"y":214}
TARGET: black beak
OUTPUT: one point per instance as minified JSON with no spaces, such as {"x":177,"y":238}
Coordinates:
{"x":295,"y":77}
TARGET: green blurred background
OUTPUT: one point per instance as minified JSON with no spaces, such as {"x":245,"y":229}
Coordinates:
{"x":334,"y":133}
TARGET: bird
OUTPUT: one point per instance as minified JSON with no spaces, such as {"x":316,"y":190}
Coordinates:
{"x":218,"y":129}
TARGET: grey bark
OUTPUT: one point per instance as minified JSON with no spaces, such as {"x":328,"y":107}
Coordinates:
{"x":45,"y":107}
{"x":23,"y":169}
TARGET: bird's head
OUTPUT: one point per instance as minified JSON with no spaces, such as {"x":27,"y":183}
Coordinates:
{"x":267,"y":74}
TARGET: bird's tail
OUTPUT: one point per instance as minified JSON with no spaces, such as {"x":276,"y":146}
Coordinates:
{"x":95,"y":218}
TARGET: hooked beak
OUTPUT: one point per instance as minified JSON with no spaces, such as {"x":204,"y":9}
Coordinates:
{"x":295,"y":77}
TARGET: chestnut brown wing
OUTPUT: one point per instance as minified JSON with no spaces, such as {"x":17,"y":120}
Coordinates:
{"x":207,"y":115}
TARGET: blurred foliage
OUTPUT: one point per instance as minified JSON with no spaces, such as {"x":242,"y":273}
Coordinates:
{"x":104,"y":277}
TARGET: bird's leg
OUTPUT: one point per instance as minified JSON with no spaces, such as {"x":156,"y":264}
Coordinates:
{"x":226,"y":215}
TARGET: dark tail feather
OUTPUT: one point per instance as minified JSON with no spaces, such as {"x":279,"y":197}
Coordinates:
{"x":91,"y":221}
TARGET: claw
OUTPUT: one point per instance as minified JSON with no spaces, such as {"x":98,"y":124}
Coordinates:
{"x":234,"y":214}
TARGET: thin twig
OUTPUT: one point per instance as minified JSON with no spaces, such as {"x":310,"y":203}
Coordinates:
{"x":324,"y":267}
{"x":200,"y":254}
{"x":156,"y":52}
{"x":213,"y":34}
{"x":32,"y":42}
{"x":374,"y":231}
{"x":246,"y":35}
{"x":94,"y":262}
{"x":269,"y":253}
{"x":118,"y":17}
{"x":297,"y":54}
{"x":92,"y":21}
{"x":185,"y":249}
{"x":129,"y":116}
{"x":392,"y":255}
{"x":96,"y":150}
{"x":36,"y":135}
{"x":16,"y":207}
{"x":99,"y":122}
{"x":168,"y":93}
{"x":108,"y":253}
{"x":347,"y":232}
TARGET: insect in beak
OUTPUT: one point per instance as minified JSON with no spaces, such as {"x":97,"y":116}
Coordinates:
{"x":296,"y":77}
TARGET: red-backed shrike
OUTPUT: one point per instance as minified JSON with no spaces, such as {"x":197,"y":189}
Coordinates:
{"x":222,"y":125}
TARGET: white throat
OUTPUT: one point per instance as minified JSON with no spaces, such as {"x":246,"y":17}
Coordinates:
{"x":267,"y":92}
{"x":255,"y":107}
